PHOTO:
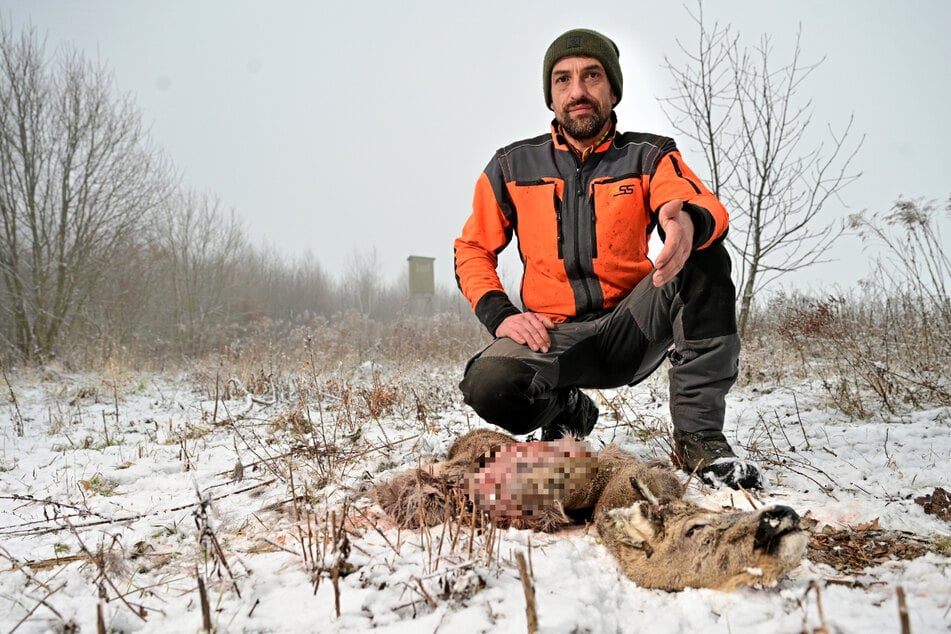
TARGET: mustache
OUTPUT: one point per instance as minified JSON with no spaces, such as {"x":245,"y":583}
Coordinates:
{"x":581,"y":102}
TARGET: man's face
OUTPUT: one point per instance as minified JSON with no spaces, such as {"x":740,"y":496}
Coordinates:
{"x":581,"y":96}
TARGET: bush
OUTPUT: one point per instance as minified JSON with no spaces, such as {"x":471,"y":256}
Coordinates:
{"x":886,"y":346}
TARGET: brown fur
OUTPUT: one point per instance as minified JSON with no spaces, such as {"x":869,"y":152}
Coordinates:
{"x":682,"y":545}
{"x":431,"y":494}
{"x":659,"y":539}
{"x":415,"y":498}
{"x":468,"y":448}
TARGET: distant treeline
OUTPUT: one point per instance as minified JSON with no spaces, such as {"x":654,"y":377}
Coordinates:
{"x":101,"y":244}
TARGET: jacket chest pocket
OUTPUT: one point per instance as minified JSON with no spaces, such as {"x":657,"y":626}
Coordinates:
{"x":538,"y":207}
{"x":621,"y":220}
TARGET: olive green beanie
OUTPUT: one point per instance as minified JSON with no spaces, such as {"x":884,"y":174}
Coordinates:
{"x":589,"y":44}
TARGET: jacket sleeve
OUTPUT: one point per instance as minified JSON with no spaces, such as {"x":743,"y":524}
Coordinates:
{"x":673,"y":179}
{"x":487,"y":231}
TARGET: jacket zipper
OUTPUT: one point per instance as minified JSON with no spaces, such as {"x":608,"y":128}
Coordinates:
{"x":579,"y":199}
{"x":594,"y":226}
{"x":681,"y":174}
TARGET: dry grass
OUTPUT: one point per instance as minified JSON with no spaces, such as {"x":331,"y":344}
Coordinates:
{"x":868,"y":354}
{"x":885,"y":347}
{"x":317,"y":426}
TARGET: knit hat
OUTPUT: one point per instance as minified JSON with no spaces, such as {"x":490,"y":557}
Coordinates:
{"x":589,"y":44}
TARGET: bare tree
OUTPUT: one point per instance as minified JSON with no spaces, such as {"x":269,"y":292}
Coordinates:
{"x":76,"y":178}
{"x":362,"y":286}
{"x":754,"y":129}
{"x":289,"y":289}
{"x":198,"y":246}
{"x":121,"y":309}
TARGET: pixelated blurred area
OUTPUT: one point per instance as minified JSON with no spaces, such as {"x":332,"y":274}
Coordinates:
{"x":523,"y":484}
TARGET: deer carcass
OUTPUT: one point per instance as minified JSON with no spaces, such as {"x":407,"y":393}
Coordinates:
{"x":660,"y":539}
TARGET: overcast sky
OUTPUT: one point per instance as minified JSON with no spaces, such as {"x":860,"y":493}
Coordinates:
{"x":351,"y":126}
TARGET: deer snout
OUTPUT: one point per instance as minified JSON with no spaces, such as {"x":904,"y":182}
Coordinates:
{"x":775,"y":522}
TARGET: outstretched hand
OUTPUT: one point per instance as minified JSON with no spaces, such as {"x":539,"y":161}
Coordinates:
{"x":530,"y":329}
{"x":678,"y":241}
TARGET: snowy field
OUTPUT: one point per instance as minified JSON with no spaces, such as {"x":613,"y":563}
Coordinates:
{"x":143,"y":503}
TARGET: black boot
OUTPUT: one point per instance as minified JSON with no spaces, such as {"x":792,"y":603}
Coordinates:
{"x":709,"y":455}
{"x":576,"y":419}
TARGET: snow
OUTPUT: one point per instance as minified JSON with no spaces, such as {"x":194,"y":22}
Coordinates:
{"x":81,"y":482}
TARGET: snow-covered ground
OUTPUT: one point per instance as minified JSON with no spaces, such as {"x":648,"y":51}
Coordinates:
{"x":125,"y":489}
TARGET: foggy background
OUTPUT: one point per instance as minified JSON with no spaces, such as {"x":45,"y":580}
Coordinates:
{"x":357,"y":129}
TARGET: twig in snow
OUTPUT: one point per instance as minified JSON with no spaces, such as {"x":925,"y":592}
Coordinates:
{"x":29,"y":575}
{"x":214,"y":412}
{"x":903,"y":611}
{"x":528,"y":587}
{"x":203,"y":599}
{"x":208,"y":539}
{"x":44,"y":603}
{"x":822,"y":628}
{"x":425,"y":594}
{"x":115,"y":394}
{"x":18,"y":417}
{"x":372,"y":524}
{"x":20,"y":530}
{"x":99,"y":559}
{"x":787,"y":461}
{"x":779,"y":426}
{"x":805,"y":437}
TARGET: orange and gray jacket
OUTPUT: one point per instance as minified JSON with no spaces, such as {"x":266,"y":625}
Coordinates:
{"x":582,"y":227}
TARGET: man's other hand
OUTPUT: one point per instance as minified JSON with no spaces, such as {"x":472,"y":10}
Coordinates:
{"x":530,"y":329}
{"x":678,"y":242}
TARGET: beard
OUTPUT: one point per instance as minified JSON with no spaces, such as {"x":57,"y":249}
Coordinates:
{"x":585,"y":126}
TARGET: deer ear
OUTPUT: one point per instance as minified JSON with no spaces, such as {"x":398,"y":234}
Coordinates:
{"x":632,"y":525}
{"x":643,"y":489}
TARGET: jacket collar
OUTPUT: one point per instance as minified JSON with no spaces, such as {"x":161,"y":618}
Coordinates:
{"x":601,"y":145}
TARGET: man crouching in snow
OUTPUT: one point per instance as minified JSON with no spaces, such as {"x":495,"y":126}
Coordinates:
{"x":582,"y":201}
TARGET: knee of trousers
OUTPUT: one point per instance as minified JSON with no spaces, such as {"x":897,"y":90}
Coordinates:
{"x":497,"y":388}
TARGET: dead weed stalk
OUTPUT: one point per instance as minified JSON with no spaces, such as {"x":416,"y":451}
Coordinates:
{"x":210,"y":545}
{"x":17,"y":416}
